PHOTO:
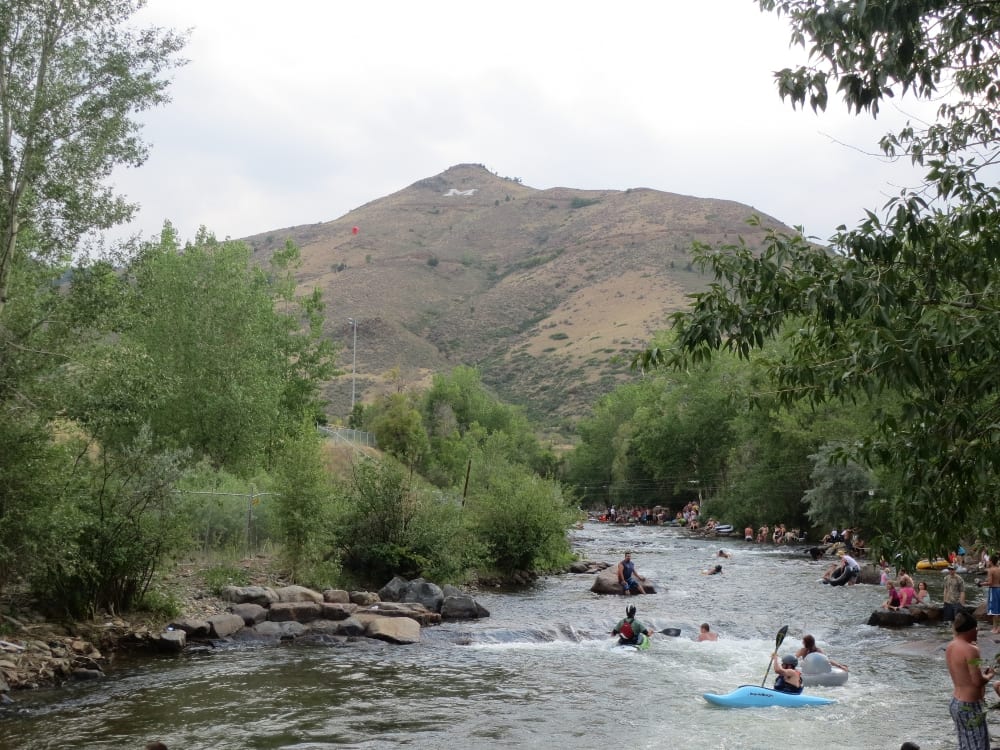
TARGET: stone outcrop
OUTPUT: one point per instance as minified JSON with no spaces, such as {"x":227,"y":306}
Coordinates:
{"x":254,"y":612}
{"x":588,"y":566}
{"x":606,"y":582}
{"x":449,"y":602}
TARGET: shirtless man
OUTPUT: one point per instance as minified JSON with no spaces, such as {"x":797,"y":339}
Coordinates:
{"x":969,"y":680}
{"x":993,"y":598}
{"x":706,"y":633}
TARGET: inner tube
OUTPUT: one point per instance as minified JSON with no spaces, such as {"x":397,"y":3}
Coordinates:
{"x":841,"y":576}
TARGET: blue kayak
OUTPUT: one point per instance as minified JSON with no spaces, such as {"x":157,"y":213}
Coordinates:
{"x":754,"y":696}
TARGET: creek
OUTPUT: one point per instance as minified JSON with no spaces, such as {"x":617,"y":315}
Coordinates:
{"x":541,"y":671}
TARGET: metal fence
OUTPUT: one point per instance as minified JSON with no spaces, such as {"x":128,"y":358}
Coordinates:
{"x":352,"y":437}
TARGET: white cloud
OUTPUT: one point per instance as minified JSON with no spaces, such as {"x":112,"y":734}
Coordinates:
{"x":299,"y":112}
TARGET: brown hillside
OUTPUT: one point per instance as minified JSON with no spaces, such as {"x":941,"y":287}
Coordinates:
{"x":547,"y":291}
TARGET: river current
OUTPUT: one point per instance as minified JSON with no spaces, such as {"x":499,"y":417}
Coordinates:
{"x":540,"y":672}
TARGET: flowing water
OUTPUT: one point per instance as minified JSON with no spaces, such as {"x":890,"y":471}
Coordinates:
{"x":541,"y":671}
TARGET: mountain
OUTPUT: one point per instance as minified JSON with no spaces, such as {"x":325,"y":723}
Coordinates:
{"x":547,"y":292}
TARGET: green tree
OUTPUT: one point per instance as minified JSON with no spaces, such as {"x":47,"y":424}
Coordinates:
{"x":238,"y":357}
{"x":521,"y":519}
{"x":909,"y":301}
{"x":116,"y":519}
{"x":399,"y":429}
{"x":73,"y":76}
{"x":305,"y":498}
{"x":602,"y":468}
{"x":389,"y":527}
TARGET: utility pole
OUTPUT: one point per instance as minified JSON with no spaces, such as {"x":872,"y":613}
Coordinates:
{"x":354,"y":361}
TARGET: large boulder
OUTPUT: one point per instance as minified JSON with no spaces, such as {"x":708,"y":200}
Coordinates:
{"x":262,"y":595}
{"x":426,"y":593}
{"x":285,"y":631}
{"x":251,"y":613}
{"x":401,"y":630}
{"x":223,"y":626}
{"x":364,"y":598}
{"x":887,"y":618}
{"x":171,"y":640}
{"x":606,"y":582}
{"x":462,"y":607}
{"x":336,"y":596}
{"x":394,"y":590}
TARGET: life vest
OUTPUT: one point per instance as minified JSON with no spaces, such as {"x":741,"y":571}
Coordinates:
{"x":782,"y":686}
{"x":626,"y":631}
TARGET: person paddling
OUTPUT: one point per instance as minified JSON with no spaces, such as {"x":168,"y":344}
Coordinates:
{"x":789,"y":679}
{"x":629,"y":630}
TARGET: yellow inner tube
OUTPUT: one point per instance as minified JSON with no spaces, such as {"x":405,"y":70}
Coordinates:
{"x":932,"y":565}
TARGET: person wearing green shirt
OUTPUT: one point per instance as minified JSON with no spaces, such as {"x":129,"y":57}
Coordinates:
{"x":630,"y":631}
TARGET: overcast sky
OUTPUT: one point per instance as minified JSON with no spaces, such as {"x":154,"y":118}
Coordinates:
{"x":297,"y":112}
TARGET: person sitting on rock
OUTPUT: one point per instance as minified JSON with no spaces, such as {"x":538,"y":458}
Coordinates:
{"x":893,"y":602}
{"x":628,"y":579}
{"x":629,"y":630}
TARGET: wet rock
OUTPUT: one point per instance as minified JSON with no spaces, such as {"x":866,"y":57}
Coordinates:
{"x":426,"y":593}
{"x":192,"y":627}
{"x":223,"y":626}
{"x":87,"y":674}
{"x":400,"y":630}
{"x":172,"y":640}
{"x":462,"y":607}
{"x":606,"y":582}
{"x":350,"y":626}
{"x":885,"y":618}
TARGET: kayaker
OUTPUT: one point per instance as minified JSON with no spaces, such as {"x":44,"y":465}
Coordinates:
{"x":630,"y":630}
{"x":628,"y":579}
{"x":789,"y":679}
{"x":809,"y":647}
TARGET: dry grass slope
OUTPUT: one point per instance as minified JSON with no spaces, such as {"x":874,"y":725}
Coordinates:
{"x":548,"y":291}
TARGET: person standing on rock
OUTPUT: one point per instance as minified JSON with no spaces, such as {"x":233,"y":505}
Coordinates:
{"x":628,"y":579}
{"x":953,"y":595}
{"x":969,"y":680}
{"x":993,"y":597}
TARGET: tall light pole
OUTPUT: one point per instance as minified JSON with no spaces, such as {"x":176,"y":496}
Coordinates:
{"x":354,"y":361}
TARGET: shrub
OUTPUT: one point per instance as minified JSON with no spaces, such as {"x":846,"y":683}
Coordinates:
{"x":220,"y":576}
{"x":520,"y":519}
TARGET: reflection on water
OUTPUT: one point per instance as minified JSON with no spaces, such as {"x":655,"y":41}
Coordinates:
{"x":541,"y":670}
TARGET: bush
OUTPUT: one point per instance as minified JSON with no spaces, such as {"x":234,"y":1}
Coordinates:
{"x":220,"y":576}
{"x":120,"y":518}
{"x":388,"y":528}
{"x":160,"y":604}
{"x":521,"y":519}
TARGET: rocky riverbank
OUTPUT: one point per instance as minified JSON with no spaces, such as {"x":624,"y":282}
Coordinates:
{"x":37,"y":653}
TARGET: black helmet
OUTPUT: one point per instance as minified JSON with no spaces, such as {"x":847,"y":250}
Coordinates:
{"x":789,"y":661}
{"x":630,"y":610}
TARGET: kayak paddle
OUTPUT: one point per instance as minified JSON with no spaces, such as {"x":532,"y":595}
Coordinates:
{"x":673,"y":632}
{"x":777,"y":644}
